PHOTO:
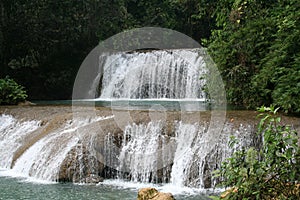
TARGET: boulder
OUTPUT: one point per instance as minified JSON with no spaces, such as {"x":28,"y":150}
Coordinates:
{"x":81,"y":166}
{"x":153,"y":194}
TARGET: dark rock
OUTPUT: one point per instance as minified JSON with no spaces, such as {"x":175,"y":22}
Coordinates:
{"x":81,"y":166}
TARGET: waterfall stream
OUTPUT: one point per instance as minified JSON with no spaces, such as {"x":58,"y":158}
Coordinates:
{"x":51,"y":144}
{"x":181,"y":159}
{"x":159,"y":74}
{"x":43,"y":159}
{"x":147,"y":152}
{"x":12,"y":136}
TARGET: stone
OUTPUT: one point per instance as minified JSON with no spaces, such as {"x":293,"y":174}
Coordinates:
{"x":228,"y":192}
{"x":26,"y":103}
{"x":153,"y":194}
{"x":81,"y":166}
{"x":92,"y":179}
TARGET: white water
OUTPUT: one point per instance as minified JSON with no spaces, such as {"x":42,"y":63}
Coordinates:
{"x":185,"y":136}
{"x":140,"y":154}
{"x":43,"y":159}
{"x":194,"y":162}
{"x":12,"y":135}
{"x":148,"y":155}
{"x":184,"y":156}
{"x":161,"y":187}
{"x":168,"y":74}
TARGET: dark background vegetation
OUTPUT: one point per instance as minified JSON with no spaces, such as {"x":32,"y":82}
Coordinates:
{"x":255,"y":43}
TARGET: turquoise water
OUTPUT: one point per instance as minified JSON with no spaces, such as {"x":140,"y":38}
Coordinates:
{"x":14,"y":188}
{"x":170,"y":105}
{"x":156,"y":104}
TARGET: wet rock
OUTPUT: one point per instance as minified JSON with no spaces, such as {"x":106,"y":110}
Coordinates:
{"x":153,"y":194}
{"x":81,"y":166}
{"x":92,"y":179}
{"x":207,"y":177}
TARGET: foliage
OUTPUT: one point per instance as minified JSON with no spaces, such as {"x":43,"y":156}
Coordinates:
{"x":46,"y":39}
{"x":238,"y":47}
{"x":271,"y":172}
{"x":10,"y":92}
{"x":253,"y":42}
{"x":278,"y":78}
{"x":256,"y":50}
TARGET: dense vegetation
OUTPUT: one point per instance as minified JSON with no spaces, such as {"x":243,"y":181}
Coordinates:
{"x":254,"y":42}
{"x":269,"y":172}
{"x":11,"y":93}
{"x":257,"y":53}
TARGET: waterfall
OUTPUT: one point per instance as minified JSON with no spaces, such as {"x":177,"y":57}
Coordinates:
{"x":136,"y":146}
{"x":141,"y":153}
{"x":194,"y":162}
{"x":149,"y":152}
{"x":185,"y":158}
{"x":157,"y":74}
{"x":12,"y":134}
{"x":185,"y":136}
{"x":43,"y":159}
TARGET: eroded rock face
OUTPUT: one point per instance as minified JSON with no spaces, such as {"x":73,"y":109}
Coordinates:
{"x":153,"y":194}
{"x":81,"y":166}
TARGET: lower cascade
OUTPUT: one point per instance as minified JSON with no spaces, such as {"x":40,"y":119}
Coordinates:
{"x":89,"y":150}
{"x":12,"y":132}
{"x":150,"y":155}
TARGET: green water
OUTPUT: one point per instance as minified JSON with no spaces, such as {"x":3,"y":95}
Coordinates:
{"x":13,"y":188}
{"x":171,"y":105}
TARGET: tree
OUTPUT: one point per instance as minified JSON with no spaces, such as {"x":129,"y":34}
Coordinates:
{"x":255,"y":50}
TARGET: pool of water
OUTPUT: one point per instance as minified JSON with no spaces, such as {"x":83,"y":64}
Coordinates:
{"x":16,"y":188}
{"x":13,"y":188}
{"x":137,"y":104}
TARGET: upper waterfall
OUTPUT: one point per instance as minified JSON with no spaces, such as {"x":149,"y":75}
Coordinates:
{"x":156,"y":74}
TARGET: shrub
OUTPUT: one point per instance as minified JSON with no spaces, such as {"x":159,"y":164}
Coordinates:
{"x":270,"y":172}
{"x":11,"y":93}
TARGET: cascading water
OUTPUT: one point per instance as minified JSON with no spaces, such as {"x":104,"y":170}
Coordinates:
{"x":43,"y":159}
{"x":153,"y":151}
{"x":185,"y":135}
{"x":167,"y":74}
{"x":174,"y":152}
{"x":194,"y":162}
{"x":184,"y":157}
{"x":12,"y":134}
{"x":140,"y":156}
